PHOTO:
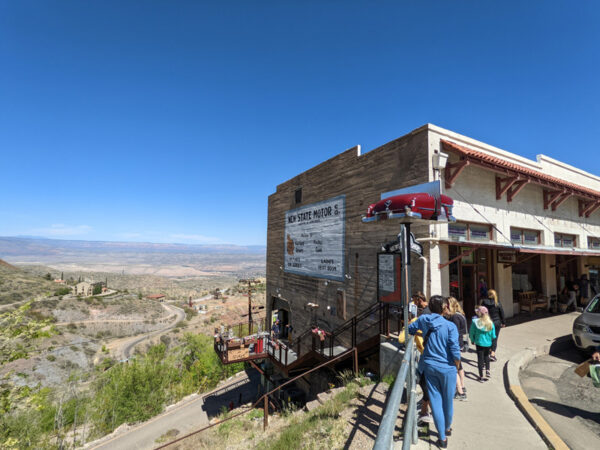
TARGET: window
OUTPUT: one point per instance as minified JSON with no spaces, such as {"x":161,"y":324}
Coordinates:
{"x":594,"y":243}
{"x":457,"y":230}
{"x":565,"y":240}
{"x":298,"y":195}
{"x":527,"y":237}
{"x":469,"y":231}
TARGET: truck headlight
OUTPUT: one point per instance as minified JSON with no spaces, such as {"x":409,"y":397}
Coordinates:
{"x":582,"y":327}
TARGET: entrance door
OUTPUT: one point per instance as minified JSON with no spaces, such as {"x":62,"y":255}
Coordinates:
{"x":469,"y":289}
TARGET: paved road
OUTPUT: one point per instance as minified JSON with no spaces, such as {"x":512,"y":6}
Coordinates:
{"x":185,"y":417}
{"x":570,"y":404}
{"x":128,"y":347}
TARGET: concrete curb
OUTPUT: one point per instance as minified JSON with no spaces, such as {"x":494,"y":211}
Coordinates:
{"x":515,"y":391}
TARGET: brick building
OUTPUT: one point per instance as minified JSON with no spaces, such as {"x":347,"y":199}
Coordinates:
{"x":525,"y":227}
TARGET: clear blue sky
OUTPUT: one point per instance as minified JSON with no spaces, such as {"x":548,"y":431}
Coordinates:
{"x":172,"y":121}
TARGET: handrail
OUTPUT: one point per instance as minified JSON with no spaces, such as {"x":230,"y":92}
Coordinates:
{"x":264,"y":398}
{"x":349,"y":334}
{"x":385,"y":433}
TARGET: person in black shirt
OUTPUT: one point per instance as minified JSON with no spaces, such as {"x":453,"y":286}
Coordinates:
{"x":496,"y":313}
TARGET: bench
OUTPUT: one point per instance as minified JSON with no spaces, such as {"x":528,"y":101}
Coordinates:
{"x":531,"y":300}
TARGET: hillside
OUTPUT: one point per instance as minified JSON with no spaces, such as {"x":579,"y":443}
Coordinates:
{"x":133,"y":258}
{"x":17,"y":285}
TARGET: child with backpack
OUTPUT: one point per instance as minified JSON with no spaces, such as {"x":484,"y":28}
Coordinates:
{"x":482,"y":333}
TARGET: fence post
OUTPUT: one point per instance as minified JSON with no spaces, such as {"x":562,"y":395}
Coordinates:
{"x":266,"y":413}
{"x":355,"y":362}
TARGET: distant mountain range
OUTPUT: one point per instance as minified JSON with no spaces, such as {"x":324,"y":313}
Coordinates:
{"x":18,"y":247}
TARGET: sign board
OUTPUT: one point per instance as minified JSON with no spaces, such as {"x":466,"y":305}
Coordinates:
{"x":415,"y":246}
{"x":314,"y":239}
{"x":386,"y":273}
{"x":507,"y":256}
{"x":389,"y":279}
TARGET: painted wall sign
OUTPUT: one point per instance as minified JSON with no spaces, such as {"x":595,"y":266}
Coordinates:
{"x":314,"y":239}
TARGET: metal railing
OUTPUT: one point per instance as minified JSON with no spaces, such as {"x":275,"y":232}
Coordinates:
{"x":406,"y":375}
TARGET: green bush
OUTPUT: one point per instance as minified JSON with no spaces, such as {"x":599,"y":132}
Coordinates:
{"x":62,"y":291}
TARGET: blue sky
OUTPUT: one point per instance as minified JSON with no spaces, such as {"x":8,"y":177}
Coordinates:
{"x":173,"y":121}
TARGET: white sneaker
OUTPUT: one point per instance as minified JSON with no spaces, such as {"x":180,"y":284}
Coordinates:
{"x":425,"y":418}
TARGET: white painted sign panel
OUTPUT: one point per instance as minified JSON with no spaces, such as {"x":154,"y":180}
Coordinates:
{"x":314,"y":239}
{"x":387,"y":273}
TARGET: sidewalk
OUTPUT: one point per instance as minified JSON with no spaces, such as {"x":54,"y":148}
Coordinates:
{"x":490,"y":418}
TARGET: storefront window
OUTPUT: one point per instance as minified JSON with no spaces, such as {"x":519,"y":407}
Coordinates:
{"x":457,"y":230}
{"x":531,"y":237}
{"x":470,"y":231}
{"x":515,"y":236}
{"x":479,"y":232}
{"x":564,"y":240}
{"x":594,"y":243}
{"x":521,"y":236}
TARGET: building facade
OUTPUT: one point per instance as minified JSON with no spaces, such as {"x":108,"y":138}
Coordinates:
{"x":522,"y":226}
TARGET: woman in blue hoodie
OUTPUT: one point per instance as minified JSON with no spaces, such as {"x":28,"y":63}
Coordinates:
{"x":439,"y":361}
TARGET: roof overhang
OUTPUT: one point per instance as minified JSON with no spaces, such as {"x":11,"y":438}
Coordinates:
{"x":512,"y":178}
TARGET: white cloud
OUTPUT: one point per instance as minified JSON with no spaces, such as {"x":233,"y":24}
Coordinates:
{"x":59,"y":229}
{"x":196,"y":238}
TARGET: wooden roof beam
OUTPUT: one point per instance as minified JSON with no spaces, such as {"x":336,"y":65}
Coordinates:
{"x":591,"y":209}
{"x":452,"y":171}
{"x":501,"y":190}
{"x":515,"y":189}
{"x":550,"y":197}
{"x":561,"y":200}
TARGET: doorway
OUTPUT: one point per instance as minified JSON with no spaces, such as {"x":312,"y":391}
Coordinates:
{"x":469,"y":289}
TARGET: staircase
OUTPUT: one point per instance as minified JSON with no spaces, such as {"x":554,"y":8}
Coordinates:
{"x":313,"y":345}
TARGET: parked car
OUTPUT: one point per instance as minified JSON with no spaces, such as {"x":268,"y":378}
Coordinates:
{"x":420,"y":205}
{"x":586,"y":328}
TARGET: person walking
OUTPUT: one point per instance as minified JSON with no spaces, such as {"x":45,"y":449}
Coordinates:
{"x":584,"y":290}
{"x":440,"y":359}
{"x":454,"y":313}
{"x":482,"y":333}
{"x":482,"y":288}
{"x":496,"y":312}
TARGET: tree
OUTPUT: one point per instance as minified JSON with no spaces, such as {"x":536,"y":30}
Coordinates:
{"x":48,"y":276}
{"x":18,"y":332}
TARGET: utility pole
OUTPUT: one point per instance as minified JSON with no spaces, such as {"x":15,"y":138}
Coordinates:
{"x":250,"y":282}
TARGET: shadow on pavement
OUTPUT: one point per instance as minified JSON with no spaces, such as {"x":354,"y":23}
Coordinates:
{"x":240,"y":394}
{"x":525,"y":317}
{"x":566,"y":411}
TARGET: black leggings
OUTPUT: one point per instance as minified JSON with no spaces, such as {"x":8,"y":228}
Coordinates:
{"x":483,"y":358}
{"x":495,"y":340}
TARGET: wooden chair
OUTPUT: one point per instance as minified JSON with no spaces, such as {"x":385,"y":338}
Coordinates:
{"x":531,"y":300}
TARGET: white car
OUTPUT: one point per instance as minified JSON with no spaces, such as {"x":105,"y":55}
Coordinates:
{"x":586,"y":328}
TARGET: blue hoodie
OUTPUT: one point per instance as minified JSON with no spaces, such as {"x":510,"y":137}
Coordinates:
{"x":442,"y":344}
